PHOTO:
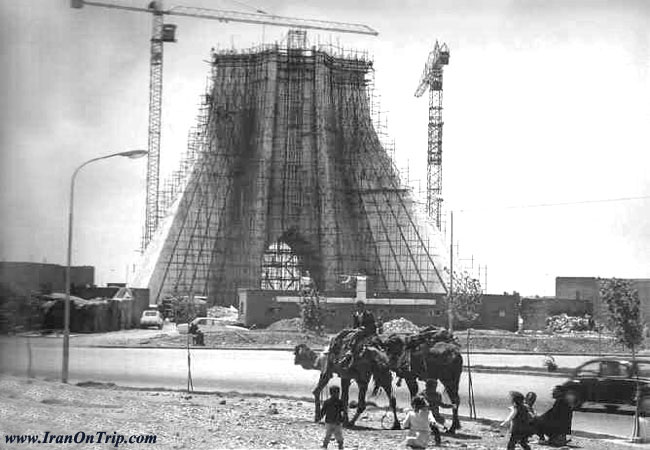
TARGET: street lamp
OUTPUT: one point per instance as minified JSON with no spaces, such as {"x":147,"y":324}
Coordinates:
{"x":133,"y":154}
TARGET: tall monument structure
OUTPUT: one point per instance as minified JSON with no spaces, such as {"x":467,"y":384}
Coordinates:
{"x":286,"y":174}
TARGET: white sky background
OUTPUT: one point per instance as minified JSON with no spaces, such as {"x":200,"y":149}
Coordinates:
{"x":544,"y":102}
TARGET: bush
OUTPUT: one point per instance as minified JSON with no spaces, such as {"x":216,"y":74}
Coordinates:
{"x":311,"y":314}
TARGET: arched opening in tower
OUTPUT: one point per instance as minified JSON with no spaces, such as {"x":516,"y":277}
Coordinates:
{"x":281,"y":268}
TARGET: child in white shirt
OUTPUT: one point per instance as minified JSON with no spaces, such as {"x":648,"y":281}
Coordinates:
{"x":418,"y":421}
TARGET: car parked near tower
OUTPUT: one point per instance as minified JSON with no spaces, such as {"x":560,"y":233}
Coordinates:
{"x":151,"y":318}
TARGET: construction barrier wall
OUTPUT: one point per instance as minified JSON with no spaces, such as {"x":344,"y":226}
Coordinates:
{"x":99,"y":315}
{"x":262,"y":308}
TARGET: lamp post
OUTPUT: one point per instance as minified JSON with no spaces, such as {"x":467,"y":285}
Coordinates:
{"x":133,"y":154}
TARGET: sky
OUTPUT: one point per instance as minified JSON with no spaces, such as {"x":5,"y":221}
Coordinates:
{"x":545,"y":102}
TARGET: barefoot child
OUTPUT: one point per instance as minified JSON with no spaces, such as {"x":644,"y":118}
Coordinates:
{"x":333,"y":410}
{"x":519,"y":421}
{"x":420,"y":421}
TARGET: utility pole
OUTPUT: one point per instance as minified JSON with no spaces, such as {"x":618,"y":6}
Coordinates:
{"x":450,"y":311}
{"x":485,"y":278}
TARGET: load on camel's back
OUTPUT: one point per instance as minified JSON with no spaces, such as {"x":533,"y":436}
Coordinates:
{"x":370,"y":361}
{"x":432,"y":354}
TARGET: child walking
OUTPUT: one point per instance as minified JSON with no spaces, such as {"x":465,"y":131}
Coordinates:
{"x":333,"y":409}
{"x":519,"y":420}
{"x":420,"y":423}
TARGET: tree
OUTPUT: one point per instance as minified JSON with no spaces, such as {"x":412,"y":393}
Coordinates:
{"x":311,"y":313}
{"x":466,"y":298}
{"x":624,"y":319}
{"x":624,"y":312}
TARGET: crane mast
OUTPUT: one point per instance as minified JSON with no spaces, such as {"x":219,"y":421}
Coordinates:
{"x":432,"y":79}
{"x":155,"y":112}
{"x":162,"y":33}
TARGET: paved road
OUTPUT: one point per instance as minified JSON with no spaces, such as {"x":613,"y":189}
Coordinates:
{"x":125,"y":337}
{"x":270,"y":372}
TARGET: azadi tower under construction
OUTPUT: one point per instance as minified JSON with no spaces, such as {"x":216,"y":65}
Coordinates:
{"x":286,"y":173}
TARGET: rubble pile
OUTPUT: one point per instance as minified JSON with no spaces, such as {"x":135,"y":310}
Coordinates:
{"x":225,"y":315}
{"x":564,"y":323}
{"x":222,"y":311}
{"x":400,"y":325}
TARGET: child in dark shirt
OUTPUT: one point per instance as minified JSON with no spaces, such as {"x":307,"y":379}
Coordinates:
{"x":333,"y":410}
{"x":519,"y":421}
{"x":529,"y":401}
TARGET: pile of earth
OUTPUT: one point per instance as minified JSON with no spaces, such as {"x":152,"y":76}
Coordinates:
{"x":400,"y":325}
{"x":294,"y":324}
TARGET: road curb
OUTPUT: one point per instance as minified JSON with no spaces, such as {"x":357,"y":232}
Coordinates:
{"x":476,"y":352}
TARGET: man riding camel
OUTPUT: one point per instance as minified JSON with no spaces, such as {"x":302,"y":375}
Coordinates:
{"x":364,"y":320}
{"x":364,"y":323}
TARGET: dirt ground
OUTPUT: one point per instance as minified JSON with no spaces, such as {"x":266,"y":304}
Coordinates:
{"x":203,"y":421}
{"x":226,"y":338}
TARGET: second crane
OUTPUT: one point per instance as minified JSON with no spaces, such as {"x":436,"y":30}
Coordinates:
{"x":432,"y":79}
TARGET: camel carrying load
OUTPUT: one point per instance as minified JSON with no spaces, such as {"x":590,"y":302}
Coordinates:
{"x":431,"y":354}
{"x":352,"y":358}
{"x":349,"y":346}
{"x":431,"y":335}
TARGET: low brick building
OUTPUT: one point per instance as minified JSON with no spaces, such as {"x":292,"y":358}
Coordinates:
{"x":535,"y":311}
{"x":42,"y":277}
{"x":498,"y":312}
{"x":588,"y":288}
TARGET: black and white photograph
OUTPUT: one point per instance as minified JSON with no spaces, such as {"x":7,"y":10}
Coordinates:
{"x":303,"y":224}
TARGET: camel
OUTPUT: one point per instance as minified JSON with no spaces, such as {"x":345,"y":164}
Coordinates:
{"x":371,"y":362}
{"x":431,"y":354}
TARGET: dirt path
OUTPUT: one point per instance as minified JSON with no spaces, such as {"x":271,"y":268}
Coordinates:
{"x":200,"y":421}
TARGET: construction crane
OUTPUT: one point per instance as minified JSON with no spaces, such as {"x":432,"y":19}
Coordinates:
{"x":432,"y":79}
{"x":161,"y":33}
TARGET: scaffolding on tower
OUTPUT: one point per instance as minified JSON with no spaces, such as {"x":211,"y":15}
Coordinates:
{"x":288,"y":170}
{"x":163,"y":32}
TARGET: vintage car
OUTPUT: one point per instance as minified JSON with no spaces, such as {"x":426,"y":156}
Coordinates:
{"x":610,"y":382}
{"x":151,"y":318}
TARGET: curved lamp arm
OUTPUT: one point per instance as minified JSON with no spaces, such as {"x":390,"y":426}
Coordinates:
{"x":66,"y":311}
